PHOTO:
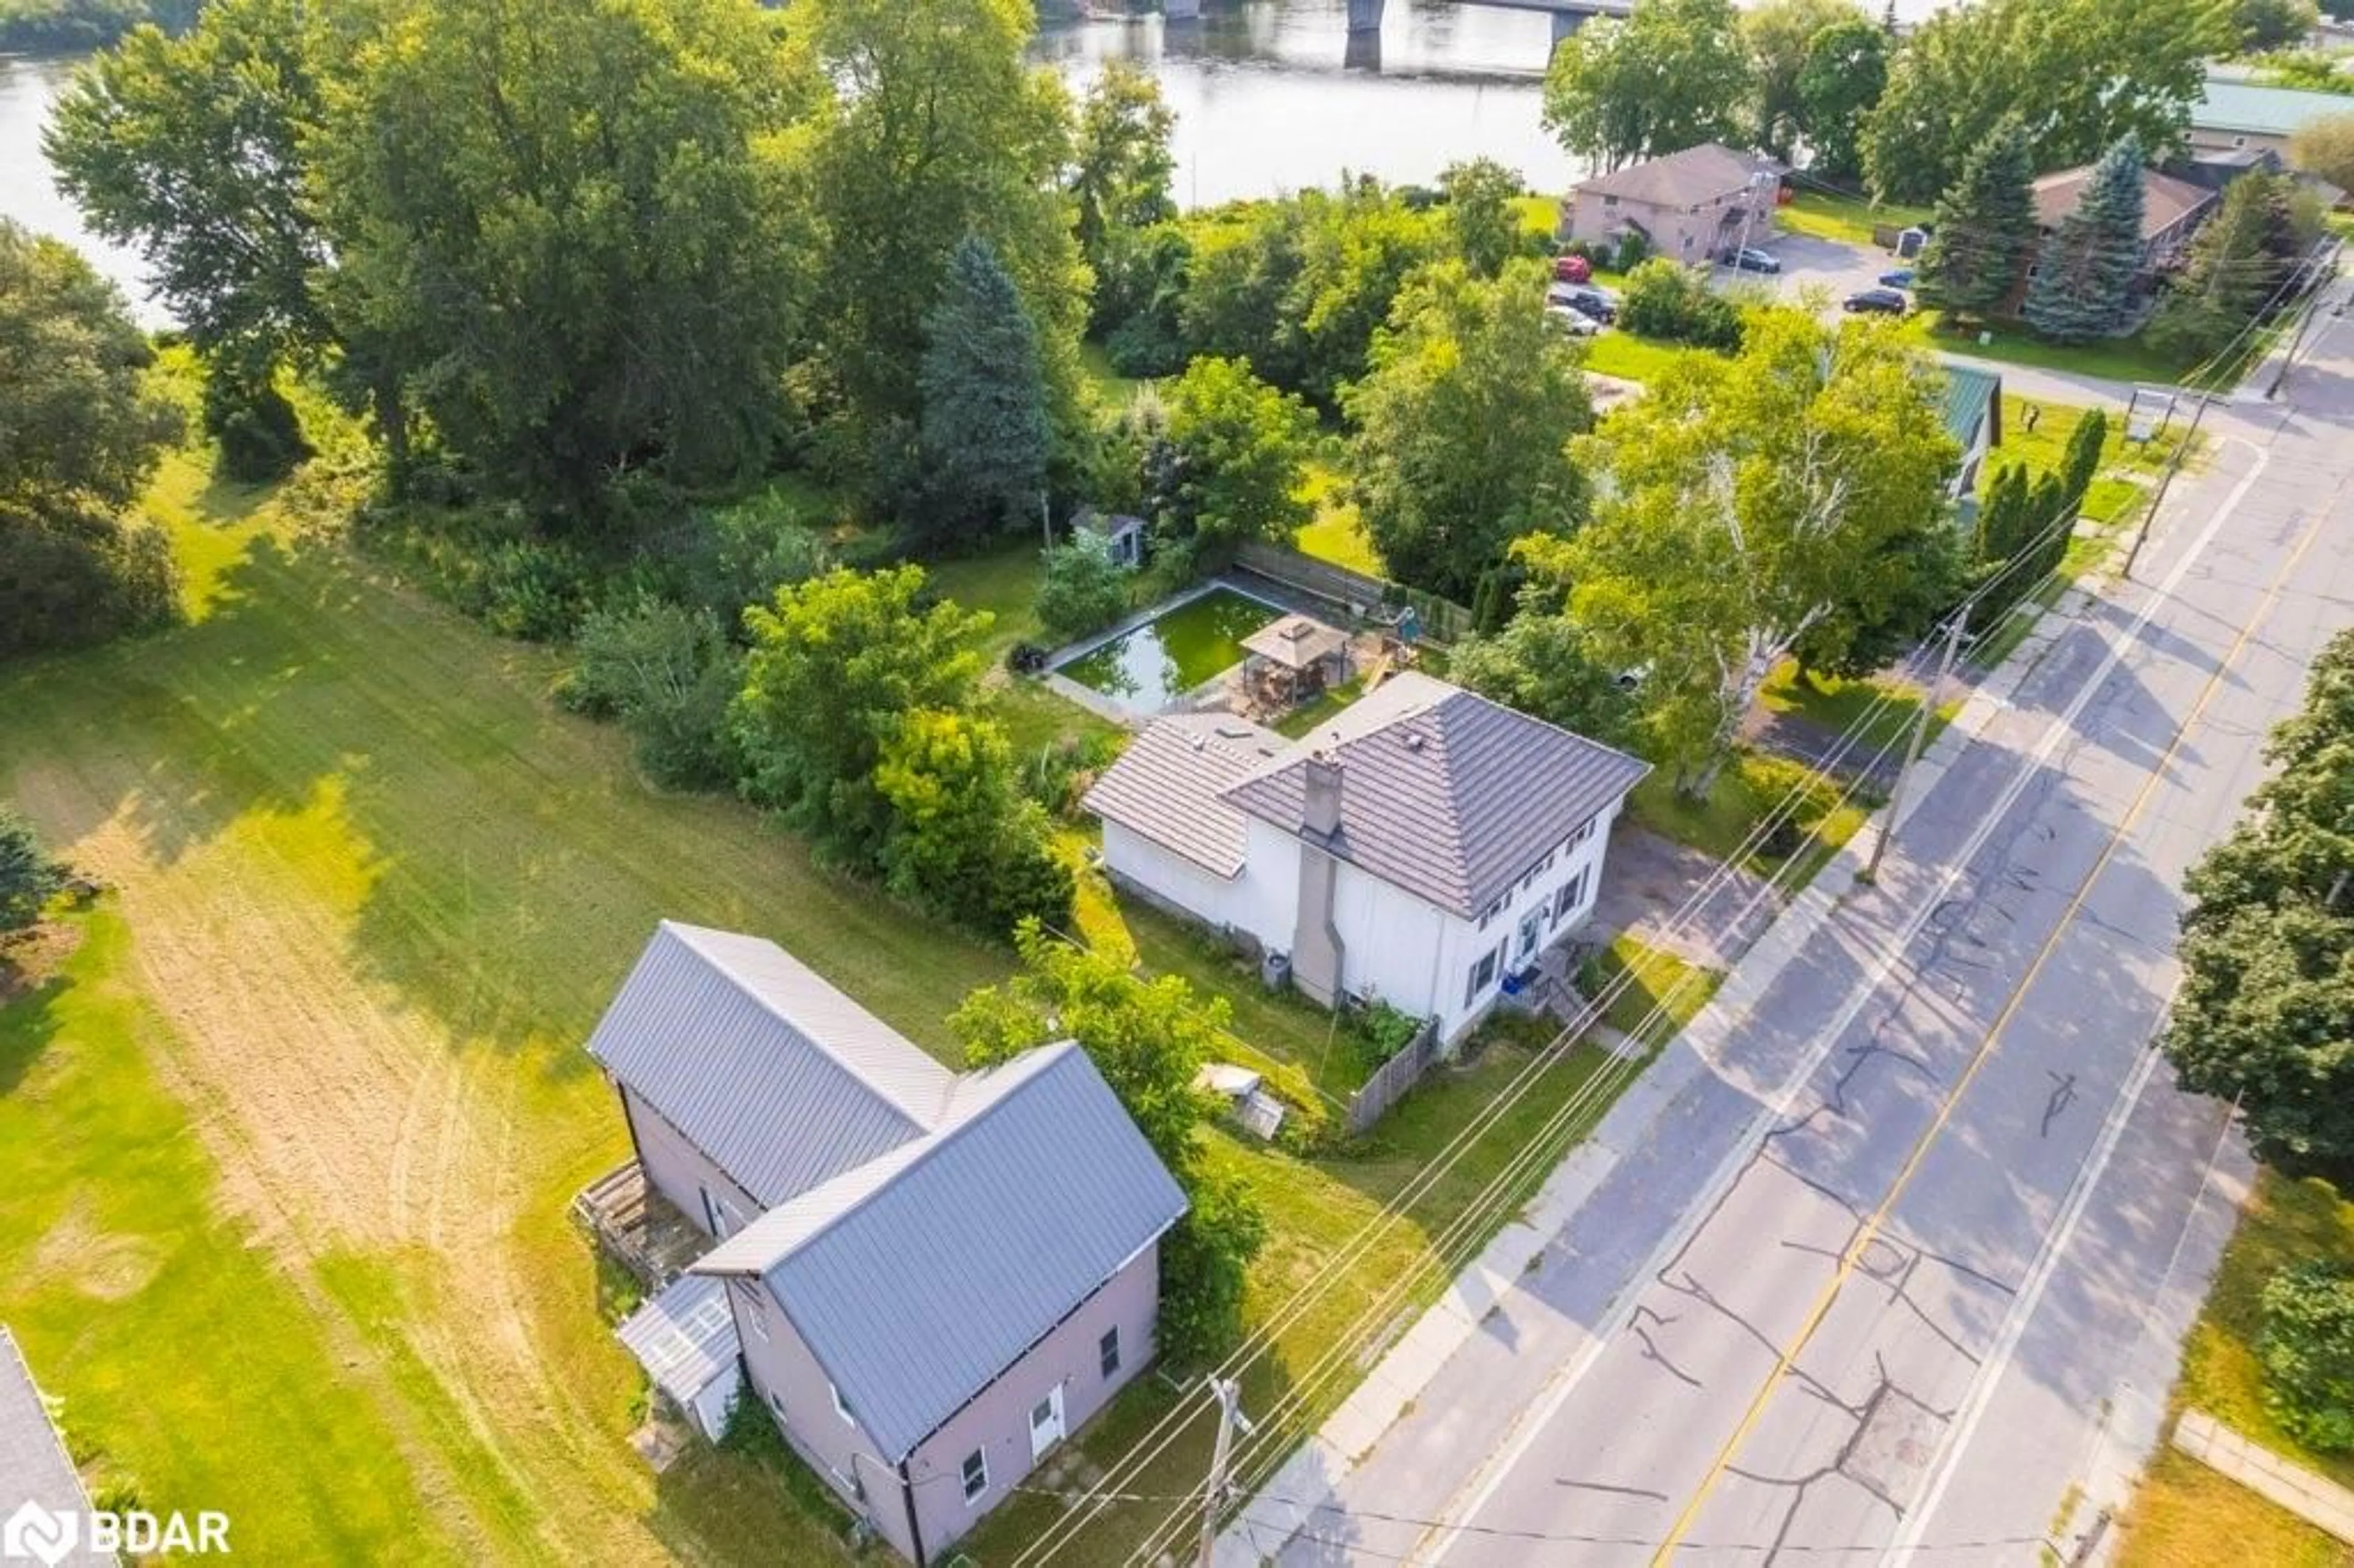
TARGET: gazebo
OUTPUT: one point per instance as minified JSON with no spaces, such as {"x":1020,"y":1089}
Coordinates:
{"x":1292,"y":660}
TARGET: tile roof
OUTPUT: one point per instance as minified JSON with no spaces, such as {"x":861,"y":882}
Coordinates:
{"x":918,"y":1279}
{"x":2166,"y":200}
{"x":1689,"y":178}
{"x":2253,"y":109}
{"x":779,"y":1077}
{"x":1445,"y":793}
{"x":1168,"y":786}
{"x":33,"y":1464}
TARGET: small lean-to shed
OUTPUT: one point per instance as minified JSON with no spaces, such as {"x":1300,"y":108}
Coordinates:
{"x":685,"y":1339}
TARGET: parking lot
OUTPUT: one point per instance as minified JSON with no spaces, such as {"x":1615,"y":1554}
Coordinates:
{"x":1809,"y":263}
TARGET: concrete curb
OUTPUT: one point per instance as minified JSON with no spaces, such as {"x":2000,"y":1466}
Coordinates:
{"x":2318,"y":1500}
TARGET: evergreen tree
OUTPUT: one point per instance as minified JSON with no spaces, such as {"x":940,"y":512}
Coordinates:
{"x":2237,"y":264}
{"x":984,"y":431}
{"x":1984,"y":226}
{"x":2002,"y":529}
{"x":2083,"y":462}
{"x":2084,"y":277}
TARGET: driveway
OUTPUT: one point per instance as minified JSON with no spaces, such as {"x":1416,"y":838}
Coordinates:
{"x":1645,"y":882}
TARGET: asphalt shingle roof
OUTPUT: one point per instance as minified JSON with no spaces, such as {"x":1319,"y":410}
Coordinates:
{"x":918,"y":1279}
{"x":779,"y":1077}
{"x":1168,"y":786}
{"x":1445,"y":793}
{"x":1685,"y":179}
{"x":2165,"y":199}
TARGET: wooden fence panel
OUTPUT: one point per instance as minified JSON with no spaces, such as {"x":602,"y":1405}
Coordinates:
{"x":1390,"y":1082}
{"x":1443,"y":621}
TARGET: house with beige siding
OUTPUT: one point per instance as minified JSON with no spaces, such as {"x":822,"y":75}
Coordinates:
{"x":905,"y":1278}
{"x":1420,"y":848}
{"x":1692,"y":206}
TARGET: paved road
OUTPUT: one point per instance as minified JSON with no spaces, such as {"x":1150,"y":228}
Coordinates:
{"x":1929,"y":1295}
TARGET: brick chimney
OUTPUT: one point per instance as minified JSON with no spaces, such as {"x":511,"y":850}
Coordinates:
{"x":1320,"y":813}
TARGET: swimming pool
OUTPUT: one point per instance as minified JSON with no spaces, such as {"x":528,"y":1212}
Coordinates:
{"x":1151,"y":666}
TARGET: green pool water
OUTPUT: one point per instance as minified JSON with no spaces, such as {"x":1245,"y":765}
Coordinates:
{"x":1148,"y":667}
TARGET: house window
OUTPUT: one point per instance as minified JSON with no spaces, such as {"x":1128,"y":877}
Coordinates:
{"x":1610,"y":203}
{"x":1483,"y":973}
{"x":1584,"y":832}
{"x":1108,"y":1352}
{"x":975,"y":1474}
{"x":1572,"y":895}
{"x":841,"y":1406}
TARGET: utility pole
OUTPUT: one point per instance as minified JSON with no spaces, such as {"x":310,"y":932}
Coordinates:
{"x":2164,"y":484}
{"x":2304,"y":324}
{"x":1913,"y":743}
{"x":1230,"y":1415}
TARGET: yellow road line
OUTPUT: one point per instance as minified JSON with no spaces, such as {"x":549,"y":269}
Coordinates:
{"x":1853,"y":1257}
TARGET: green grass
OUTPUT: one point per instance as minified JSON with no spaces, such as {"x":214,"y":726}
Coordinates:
{"x":1745,"y":791}
{"x":1847,"y":220}
{"x":2126,"y":359}
{"x":120,"y":1271}
{"x":1834,"y":704}
{"x":1004,"y":582}
{"x":1096,"y":370}
{"x":1632,"y":358}
{"x":2184,"y":1514}
{"x":1319,"y":708}
{"x":1664,"y":994}
{"x":1336,"y":533}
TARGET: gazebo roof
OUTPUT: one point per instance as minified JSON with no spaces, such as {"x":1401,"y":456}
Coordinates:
{"x":1297,"y":641}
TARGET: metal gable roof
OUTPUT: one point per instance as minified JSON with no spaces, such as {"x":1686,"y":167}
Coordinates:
{"x":1166,"y":785}
{"x":1970,"y":394}
{"x":917,"y":1281}
{"x":779,"y":1077}
{"x":1445,"y":793}
{"x":2256,"y":108}
{"x":33,"y":1464}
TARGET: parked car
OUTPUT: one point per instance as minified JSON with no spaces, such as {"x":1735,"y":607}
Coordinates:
{"x":1573,"y":270}
{"x":1901,"y":278}
{"x":1585,"y":298}
{"x":1574,"y":322}
{"x":1877,"y":302}
{"x":1749,"y":259}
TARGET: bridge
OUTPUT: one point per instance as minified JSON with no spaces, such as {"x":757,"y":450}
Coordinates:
{"x":1365,"y":16}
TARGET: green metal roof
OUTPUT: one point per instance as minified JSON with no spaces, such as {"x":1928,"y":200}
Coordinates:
{"x":1970,"y":398}
{"x":2252,"y":108}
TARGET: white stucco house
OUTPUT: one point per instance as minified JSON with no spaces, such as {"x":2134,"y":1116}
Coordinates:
{"x":1417,"y":848}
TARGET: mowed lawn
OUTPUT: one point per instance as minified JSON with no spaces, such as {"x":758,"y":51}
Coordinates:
{"x":286,"y":1148}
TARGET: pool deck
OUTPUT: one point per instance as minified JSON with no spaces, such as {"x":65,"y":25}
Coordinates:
{"x":1104,"y":705}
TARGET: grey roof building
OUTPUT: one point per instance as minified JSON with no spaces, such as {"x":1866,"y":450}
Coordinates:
{"x":927,"y":1277}
{"x":35,"y":1469}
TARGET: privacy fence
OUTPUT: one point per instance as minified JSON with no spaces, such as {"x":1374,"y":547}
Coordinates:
{"x":1358,"y":595}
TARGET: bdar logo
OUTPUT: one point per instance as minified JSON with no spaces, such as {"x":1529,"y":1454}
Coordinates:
{"x":33,"y":1531}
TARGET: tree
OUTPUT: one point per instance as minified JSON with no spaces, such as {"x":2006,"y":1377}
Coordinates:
{"x":1463,"y":429}
{"x":1779,"y":36}
{"x":28,"y":879}
{"x":985,"y":429}
{"x":2310,"y":70}
{"x":563,"y":224}
{"x":1235,"y":446}
{"x":1845,"y":72}
{"x":79,"y":437}
{"x":1482,"y":223}
{"x":2259,"y":26}
{"x":931,"y":126}
{"x":2265,"y":1011}
{"x":2082,"y":287}
{"x":1121,"y":164}
{"x":963,"y":842}
{"x":1744,"y":502}
{"x":2081,"y":74}
{"x":1082,"y":589}
{"x":1672,"y":75}
{"x":2081,"y":463}
{"x":668,"y":675}
{"x":1985,"y":227}
{"x":2306,"y":1350}
{"x":2238,"y":264}
{"x":1865,"y":633}
{"x":1666,"y":300}
{"x":1148,"y":1038}
{"x":837,"y":663}
{"x":1540,"y":664}
{"x":2326,"y":147}
{"x":1141,"y":283}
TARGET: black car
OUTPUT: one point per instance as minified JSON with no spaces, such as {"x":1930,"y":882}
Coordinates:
{"x":1586,"y":300}
{"x":1881,"y":302}
{"x":1749,"y":259}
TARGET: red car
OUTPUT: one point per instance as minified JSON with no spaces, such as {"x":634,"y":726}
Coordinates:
{"x":1572,"y":269}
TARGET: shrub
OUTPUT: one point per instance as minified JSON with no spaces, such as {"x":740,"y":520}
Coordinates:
{"x":743,"y":554}
{"x":261,"y":438}
{"x":1674,"y":303}
{"x":2307,"y":1350}
{"x":1205,"y":1264}
{"x":963,"y":842}
{"x":1379,"y":1032}
{"x":668,"y":675}
{"x":70,"y":576}
{"x":1082,"y":589}
{"x":28,"y":879}
{"x":1633,"y":250}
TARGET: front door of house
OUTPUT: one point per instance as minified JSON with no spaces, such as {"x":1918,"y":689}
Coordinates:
{"x":1532,"y":927}
{"x":1046,"y":1422}
{"x":722,"y":1214}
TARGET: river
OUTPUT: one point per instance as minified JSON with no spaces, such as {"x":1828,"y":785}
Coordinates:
{"x":1270,"y":96}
